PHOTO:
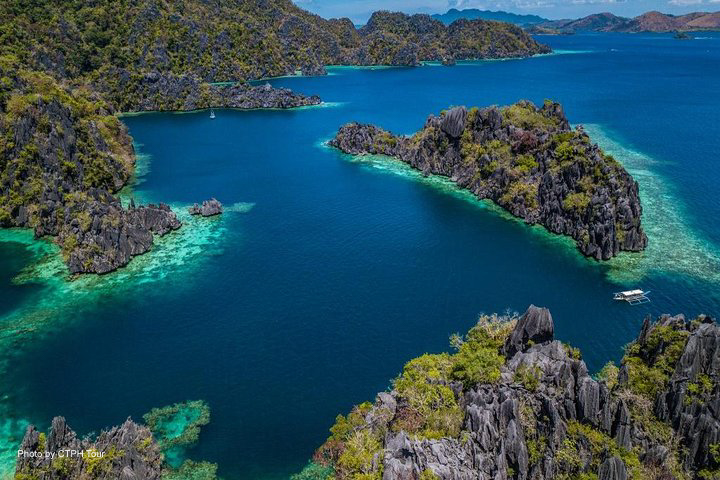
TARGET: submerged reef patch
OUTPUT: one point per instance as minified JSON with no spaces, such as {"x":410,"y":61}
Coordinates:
{"x":177,"y":427}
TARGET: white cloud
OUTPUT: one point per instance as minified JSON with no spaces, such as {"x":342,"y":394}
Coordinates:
{"x":502,"y":4}
{"x":683,"y":3}
{"x":594,"y":2}
{"x":528,"y":4}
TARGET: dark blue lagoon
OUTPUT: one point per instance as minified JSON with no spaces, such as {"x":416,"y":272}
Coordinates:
{"x":328,"y":272}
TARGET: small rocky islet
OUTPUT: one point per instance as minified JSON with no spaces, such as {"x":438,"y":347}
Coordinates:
{"x":209,"y":208}
{"x":529,"y":161}
{"x":511,"y":402}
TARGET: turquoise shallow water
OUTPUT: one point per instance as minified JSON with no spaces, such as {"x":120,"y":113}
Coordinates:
{"x":329,"y":272}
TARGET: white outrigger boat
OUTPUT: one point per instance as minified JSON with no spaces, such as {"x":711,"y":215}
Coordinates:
{"x":633,"y":297}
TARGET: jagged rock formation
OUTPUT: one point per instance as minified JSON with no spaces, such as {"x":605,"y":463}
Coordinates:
{"x":124,"y":47}
{"x":207,"y":209}
{"x":537,"y":413}
{"x":689,"y":400}
{"x":129,"y":453}
{"x":158,"y":92}
{"x":513,"y":402}
{"x":527,"y":160}
{"x":62,"y":157}
{"x":103,"y":236}
{"x":393,"y":38}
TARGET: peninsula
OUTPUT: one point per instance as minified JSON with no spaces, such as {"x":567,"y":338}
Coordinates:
{"x":68,"y":68}
{"x":527,"y":160}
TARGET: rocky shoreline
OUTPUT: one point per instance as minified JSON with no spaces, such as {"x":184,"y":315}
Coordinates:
{"x":127,"y":452}
{"x":527,"y":160}
{"x":209,"y":208}
{"x":131,"y":451}
{"x":166,"y":92}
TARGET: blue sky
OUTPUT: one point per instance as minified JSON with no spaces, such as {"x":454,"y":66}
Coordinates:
{"x":360,"y":10}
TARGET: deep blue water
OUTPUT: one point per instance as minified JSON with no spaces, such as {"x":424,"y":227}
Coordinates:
{"x":312,"y":300}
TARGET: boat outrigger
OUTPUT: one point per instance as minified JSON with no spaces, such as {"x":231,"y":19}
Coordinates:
{"x":633,"y":297}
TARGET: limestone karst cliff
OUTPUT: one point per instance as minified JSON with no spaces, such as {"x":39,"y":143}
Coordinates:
{"x":513,"y":402}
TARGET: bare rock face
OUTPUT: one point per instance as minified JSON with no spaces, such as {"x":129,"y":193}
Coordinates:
{"x":101,"y":235}
{"x":207,"y":209}
{"x":527,"y":160}
{"x":691,"y":401}
{"x":453,"y":122}
{"x":166,"y":91}
{"x":535,"y":326}
{"x":613,"y":469}
{"x":128,"y":452}
{"x":79,"y":159}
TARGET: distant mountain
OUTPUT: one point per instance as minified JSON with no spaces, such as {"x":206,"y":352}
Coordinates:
{"x":472,"y":13}
{"x":660,"y":22}
{"x":647,"y":22}
{"x":598,"y":22}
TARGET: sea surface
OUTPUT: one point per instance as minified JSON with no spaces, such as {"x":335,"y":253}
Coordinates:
{"x":327,"y":272}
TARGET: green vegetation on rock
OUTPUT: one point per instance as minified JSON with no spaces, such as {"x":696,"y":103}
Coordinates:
{"x":650,"y":365}
{"x":428,"y":404}
{"x":537,"y":413}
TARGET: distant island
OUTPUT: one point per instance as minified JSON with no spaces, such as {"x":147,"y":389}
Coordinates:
{"x":527,"y":160}
{"x":499,"y":16}
{"x":67,"y":72}
{"x":647,"y":22}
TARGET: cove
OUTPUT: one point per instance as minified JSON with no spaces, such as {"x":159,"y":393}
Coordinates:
{"x":329,"y":272}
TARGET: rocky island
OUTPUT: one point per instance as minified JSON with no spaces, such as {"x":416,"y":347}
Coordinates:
{"x":68,"y":68}
{"x":513,"y":402}
{"x":527,"y":160}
